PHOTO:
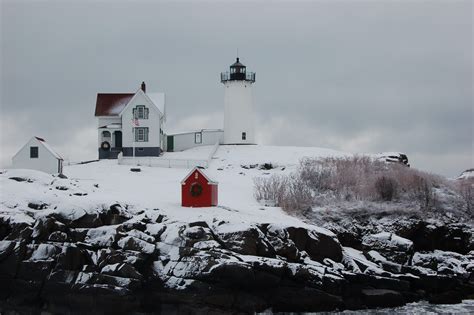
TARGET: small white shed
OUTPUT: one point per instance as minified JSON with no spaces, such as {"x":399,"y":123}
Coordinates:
{"x":38,"y":155}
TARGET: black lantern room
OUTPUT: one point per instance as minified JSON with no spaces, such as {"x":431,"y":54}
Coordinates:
{"x":238,"y":72}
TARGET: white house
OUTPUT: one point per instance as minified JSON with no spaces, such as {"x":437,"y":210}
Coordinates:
{"x":38,"y":155}
{"x":128,"y":121}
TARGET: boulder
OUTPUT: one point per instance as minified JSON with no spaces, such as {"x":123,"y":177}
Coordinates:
{"x":318,"y":244}
{"x":391,"y":246}
{"x":136,"y":244}
{"x":250,"y":241}
{"x":382,"y":298}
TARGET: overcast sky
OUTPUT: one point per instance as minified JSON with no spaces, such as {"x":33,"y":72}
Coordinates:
{"x":357,"y":76}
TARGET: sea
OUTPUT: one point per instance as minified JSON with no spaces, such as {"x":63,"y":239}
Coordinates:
{"x":422,"y":307}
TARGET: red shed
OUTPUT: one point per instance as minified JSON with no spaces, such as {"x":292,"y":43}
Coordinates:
{"x":197,"y":190}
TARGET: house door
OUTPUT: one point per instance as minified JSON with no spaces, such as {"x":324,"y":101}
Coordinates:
{"x":170,"y":144}
{"x":118,"y":139}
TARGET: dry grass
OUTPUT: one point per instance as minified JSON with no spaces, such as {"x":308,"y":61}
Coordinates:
{"x":331,"y":180}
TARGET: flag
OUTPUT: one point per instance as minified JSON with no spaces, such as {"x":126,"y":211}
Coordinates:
{"x":135,"y":122}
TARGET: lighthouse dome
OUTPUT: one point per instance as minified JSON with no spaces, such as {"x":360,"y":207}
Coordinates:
{"x":238,"y":72}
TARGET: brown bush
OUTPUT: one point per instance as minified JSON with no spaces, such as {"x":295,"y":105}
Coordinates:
{"x":465,"y":188}
{"x":386,"y":187}
{"x":327,"y":180}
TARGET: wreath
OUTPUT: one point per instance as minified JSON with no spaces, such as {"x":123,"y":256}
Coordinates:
{"x":105,"y":146}
{"x":195,"y":189}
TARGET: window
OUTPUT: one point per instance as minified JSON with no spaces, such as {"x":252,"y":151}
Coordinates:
{"x":198,"y":137}
{"x":244,"y":136}
{"x":105,"y":134}
{"x":141,"y":134}
{"x":33,"y":152}
{"x":140,"y":112}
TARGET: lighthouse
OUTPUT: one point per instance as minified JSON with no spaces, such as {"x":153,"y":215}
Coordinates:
{"x":238,"y":103}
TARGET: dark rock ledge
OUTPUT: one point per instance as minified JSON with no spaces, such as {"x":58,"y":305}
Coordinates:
{"x":111,"y":262}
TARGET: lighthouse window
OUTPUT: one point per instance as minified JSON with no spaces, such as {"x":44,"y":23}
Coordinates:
{"x":244,"y":136}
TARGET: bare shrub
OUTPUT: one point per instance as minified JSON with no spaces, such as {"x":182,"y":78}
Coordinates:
{"x":291,"y":192}
{"x":465,"y":188}
{"x":386,"y":187}
{"x":297,"y":195}
{"x":269,"y":189}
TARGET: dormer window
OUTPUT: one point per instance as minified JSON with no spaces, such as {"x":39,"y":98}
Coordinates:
{"x":140,"y":112}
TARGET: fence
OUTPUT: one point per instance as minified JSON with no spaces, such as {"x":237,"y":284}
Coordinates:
{"x":168,"y":162}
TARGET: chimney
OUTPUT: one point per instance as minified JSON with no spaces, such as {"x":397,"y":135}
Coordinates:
{"x":143,"y":87}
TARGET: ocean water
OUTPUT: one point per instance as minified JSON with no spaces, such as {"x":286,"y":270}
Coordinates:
{"x":422,"y":307}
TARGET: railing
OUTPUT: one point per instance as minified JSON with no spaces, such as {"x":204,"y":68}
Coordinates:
{"x":248,"y":76}
{"x":168,"y":162}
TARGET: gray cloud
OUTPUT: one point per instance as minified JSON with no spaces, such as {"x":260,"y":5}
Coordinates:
{"x":357,"y":76}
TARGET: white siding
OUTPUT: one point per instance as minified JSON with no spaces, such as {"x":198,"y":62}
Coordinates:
{"x":45,"y":162}
{"x":238,"y":114}
{"x":186,"y":141}
{"x":153,"y":123}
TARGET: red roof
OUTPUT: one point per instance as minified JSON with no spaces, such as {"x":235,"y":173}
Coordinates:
{"x":111,"y":104}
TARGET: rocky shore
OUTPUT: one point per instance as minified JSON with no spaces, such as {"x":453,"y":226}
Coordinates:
{"x":114,"y":261}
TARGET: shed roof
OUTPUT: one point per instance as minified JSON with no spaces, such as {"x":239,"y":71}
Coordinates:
{"x":49,"y":148}
{"x":209,"y":181}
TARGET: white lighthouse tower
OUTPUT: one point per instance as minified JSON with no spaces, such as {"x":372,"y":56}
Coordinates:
{"x":238,"y":102}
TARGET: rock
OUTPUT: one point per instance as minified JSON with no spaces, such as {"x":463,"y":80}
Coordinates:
{"x":88,"y":220}
{"x":100,"y":237}
{"x":6,"y":248}
{"x":11,"y":259}
{"x":136,"y":244}
{"x":281,"y":243}
{"x":45,"y":226}
{"x":382,"y":298}
{"x":250,"y":241}
{"x":44,"y":252}
{"x":449,"y":297}
{"x":123,"y":270}
{"x":318,"y":245}
{"x":232,"y":274}
{"x":393,"y":247}
{"x":21,"y":179}
{"x":58,"y":236}
{"x":72,"y":258}
{"x":287,"y":299}
{"x":442,"y":262}
{"x":37,"y":206}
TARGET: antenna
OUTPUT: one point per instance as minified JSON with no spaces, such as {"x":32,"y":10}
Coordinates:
{"x":237,"y":53}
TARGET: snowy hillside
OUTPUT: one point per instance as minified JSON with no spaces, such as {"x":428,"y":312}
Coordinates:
{"x":105,"y":182}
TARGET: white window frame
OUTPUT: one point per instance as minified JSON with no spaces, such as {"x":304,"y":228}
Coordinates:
{"x":140,"y":112}
{"x":141,"y":134}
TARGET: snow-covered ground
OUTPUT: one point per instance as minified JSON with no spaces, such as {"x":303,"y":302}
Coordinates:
{"x":103,"y":183}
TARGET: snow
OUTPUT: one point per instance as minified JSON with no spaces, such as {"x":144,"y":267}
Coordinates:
{"x":467,"y":174}
{"x":158,"y":99}
{"x":158,"y":190}
{"x":43,"y":252}
{"x":391,"y":239}
{"x":50,"y":149}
